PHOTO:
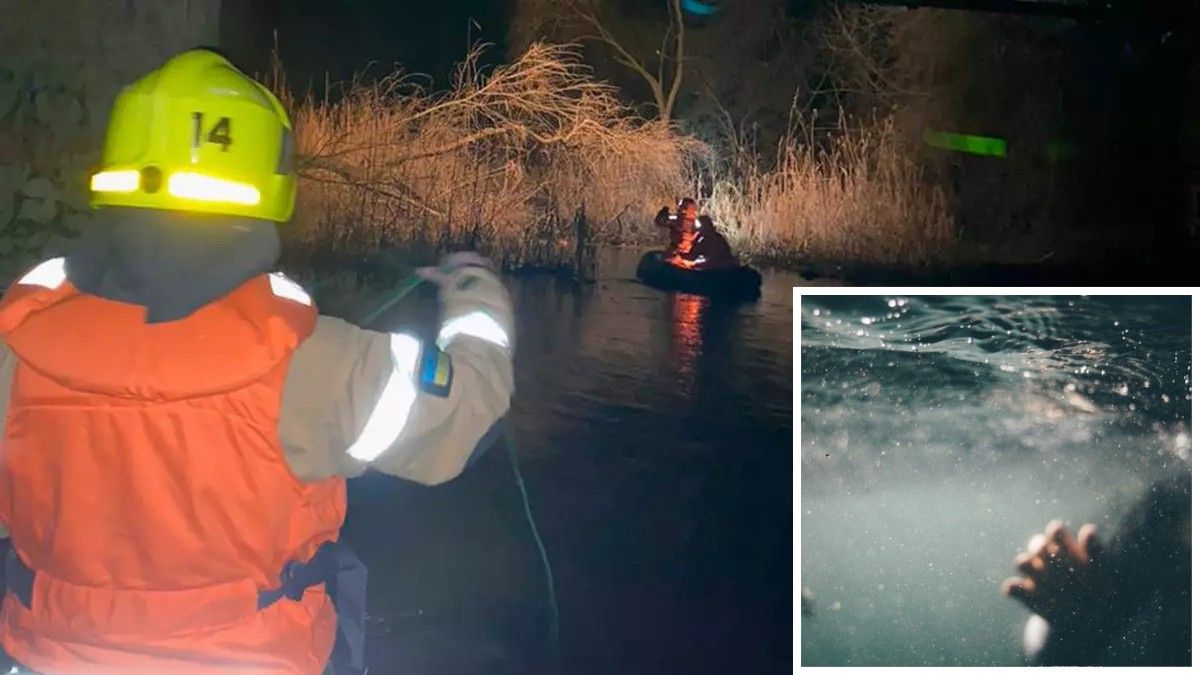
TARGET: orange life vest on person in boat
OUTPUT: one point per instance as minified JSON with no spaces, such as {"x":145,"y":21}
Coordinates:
{"x":144,"y":485}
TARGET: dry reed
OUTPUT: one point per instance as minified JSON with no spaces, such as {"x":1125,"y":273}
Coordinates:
{"x":855,"y":194}
{"x":499,"y":162}
{"x":502,"y":161}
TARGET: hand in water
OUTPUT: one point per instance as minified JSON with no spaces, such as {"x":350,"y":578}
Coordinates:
{"x":1061,"y":582}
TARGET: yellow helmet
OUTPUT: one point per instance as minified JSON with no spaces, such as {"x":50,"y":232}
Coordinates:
{"x":198,"y":135}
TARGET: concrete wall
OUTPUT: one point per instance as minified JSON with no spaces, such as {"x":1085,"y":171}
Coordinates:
{"x":61,"y":64}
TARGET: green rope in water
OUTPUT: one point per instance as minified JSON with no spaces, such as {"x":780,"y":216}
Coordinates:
{"x":511,"y":446}
{"x":405,"y":287}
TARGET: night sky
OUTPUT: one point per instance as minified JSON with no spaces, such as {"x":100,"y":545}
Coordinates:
{"x":344,"y":36}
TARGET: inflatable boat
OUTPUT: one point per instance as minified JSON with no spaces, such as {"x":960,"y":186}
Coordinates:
{"x":741,"y":283}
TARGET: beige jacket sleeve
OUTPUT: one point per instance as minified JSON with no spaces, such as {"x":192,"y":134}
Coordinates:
{"x":335,"y":394}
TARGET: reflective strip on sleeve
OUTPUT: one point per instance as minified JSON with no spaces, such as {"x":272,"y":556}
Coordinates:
{"x":48,"y":274}
{"x":395,"y":404}
{"x":284,"y":287}
{"x":475,"y":324}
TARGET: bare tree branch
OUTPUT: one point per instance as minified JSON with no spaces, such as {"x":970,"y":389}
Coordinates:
{"x":535,"y":136}
{"x":664,"y":95}
{"x":677,"y":17}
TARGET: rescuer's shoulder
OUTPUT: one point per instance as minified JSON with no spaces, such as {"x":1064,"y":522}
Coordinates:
{"x":337,"y":340}
{"x":333,"y":381}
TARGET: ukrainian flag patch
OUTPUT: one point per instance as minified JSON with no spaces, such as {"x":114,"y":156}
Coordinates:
{"x":437,"y":371}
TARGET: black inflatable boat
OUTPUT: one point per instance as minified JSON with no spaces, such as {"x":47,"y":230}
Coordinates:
{"x":740,"y":283}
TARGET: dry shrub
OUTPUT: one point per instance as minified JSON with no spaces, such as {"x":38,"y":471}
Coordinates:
{"x":855,"y":196}
{"x":500,"y":162}
{"x":503,"y":161}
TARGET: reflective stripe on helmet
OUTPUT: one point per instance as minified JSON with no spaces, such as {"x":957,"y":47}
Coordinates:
{"x":475,"y":324}
{"x":125,"y":180}
{"x":48,"y":274}
{"x":284,"y":287}
{"x":196,"y":186}
{"x":395,"y":403}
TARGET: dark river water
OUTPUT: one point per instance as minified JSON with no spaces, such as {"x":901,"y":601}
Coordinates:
{"x":654,"y":432}
{"x":940,"y":434}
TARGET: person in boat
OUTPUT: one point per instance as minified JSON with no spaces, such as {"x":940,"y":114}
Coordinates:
{"x":706,"y":249}
{"x":680,"y":224}
{"x":177,"y":421}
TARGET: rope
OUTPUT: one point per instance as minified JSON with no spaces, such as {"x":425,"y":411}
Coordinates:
{"x":511,"y":446}
{"x":406,"y":286}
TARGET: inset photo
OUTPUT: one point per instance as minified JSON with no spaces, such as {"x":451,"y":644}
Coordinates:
{"x":994,"y":480}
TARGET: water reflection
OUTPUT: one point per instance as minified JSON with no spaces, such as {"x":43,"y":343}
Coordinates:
{"x":687,"y":341}
{"x":654,"y":431}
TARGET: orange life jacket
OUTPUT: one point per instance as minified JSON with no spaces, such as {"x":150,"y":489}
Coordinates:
{"x":687,"y":236}
{"x":144,"y":484}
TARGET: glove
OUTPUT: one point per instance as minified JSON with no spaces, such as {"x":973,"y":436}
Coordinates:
{"x":663,"y":218}
{"x":467,"y":284}
{"x":451,"y":264}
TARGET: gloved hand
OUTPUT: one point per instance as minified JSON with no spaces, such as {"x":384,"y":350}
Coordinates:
{"x":452,"y":263}
{"x":467,"y":284}
{"x":663,"y":217}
